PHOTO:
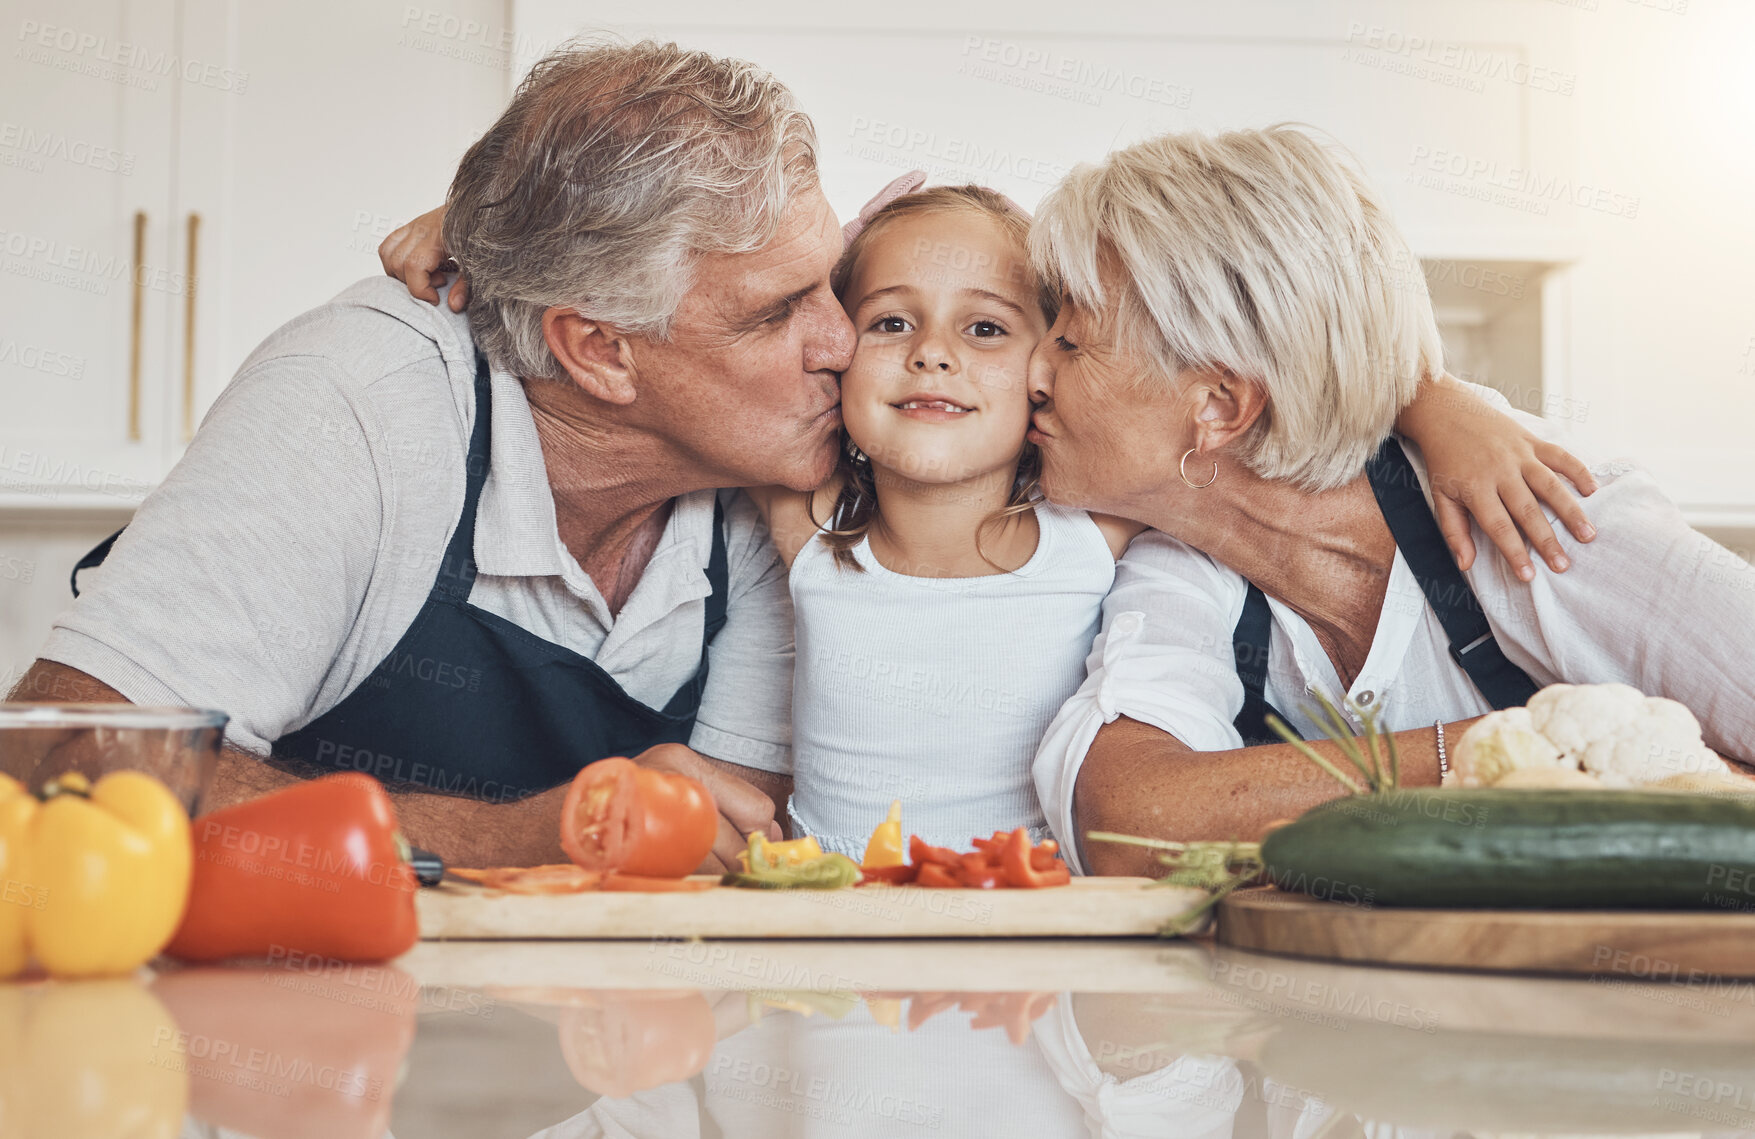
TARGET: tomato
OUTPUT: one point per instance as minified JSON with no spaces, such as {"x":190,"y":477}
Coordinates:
{"x":635,"y":883}
{"x":619,"y":816}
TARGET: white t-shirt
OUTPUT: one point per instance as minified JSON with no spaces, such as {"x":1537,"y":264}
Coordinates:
{"x":935,"y":691}
{"x":1651,"y":603}
{"x":287,"y":553}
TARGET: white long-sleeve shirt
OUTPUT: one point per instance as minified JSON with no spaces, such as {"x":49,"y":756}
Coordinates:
{"x":1651,"y":603}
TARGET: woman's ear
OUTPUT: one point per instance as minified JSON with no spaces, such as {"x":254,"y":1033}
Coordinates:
{"x":1225,"y":405}
{"x":596,"y":356}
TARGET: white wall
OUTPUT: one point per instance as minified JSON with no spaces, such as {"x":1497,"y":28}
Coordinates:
{"x":357,"y":112}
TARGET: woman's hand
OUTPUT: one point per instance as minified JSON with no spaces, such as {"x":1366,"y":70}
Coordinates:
{"x":416,"y":256}
{"x":1484,"y":464}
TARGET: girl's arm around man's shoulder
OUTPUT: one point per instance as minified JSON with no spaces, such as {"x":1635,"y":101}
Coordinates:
{"x":794,"y":516}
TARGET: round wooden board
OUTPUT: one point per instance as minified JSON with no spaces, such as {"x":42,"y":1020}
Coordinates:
{"x":1675,"y":945}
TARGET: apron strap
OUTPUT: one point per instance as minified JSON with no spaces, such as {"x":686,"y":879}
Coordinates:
{"x":457,"y":570}
{"x":93,"y":557}
{"x":1472,"y":644}
{"x":1249,"y":647}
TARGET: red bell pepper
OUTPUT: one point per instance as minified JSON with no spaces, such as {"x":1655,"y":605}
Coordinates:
{"x":1019,"y":871}
{"x":316,"y":868}
{"x":934,"y":875}
{"x":889,"y":875}
{"x":920,"y":852}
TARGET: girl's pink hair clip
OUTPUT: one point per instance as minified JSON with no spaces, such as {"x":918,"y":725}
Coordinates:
{"x":906,"y":184}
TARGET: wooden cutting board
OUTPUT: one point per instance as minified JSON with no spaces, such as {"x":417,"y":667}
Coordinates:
{"x":1673,"y":946}
{"x":1087,"y":907}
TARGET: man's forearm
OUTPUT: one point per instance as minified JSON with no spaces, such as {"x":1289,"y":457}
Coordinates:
{"x":1139,"y":780}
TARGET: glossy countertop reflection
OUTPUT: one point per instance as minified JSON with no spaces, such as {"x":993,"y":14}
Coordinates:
{"x":1016,"y":1038}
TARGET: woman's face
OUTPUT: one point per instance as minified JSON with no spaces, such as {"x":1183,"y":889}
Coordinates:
{"x":944,"y":307}
{"x":1110,"y":430}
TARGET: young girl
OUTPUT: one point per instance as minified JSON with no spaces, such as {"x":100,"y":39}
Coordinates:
{"x":943,"y":609}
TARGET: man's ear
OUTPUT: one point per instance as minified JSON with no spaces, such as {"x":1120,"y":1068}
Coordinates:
{"x":1225,"y":406}
{"x":595,"y":355}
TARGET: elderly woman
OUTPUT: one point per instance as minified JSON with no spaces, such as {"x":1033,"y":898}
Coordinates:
{"x":1241,"y":325}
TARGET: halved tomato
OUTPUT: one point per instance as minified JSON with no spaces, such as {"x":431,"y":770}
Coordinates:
{"x":619,"y":816}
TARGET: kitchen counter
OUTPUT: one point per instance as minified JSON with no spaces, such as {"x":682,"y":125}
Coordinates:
{"x":775,"y":1039}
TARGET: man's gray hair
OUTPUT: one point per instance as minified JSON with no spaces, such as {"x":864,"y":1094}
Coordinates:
{"x":1266,"y":253}
{"x":615,"y":166}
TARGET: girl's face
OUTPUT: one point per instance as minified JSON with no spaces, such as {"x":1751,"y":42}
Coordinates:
{"x":944,"y":307}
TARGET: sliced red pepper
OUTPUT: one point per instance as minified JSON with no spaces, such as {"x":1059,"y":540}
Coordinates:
{"x":1046,"y":855}
{"x":934,"y":875}
{"x":920,"y":852}
{"x":890,"y":875}
{"x":554,"y":878}
{"x":639,"y":883}
{"x":992,"y":847}
{"x":1018,"y":871}
{"x":982,"y":877}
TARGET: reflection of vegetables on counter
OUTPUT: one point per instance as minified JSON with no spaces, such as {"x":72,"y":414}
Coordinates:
{"x":619,"y":816}
{"x":792,"y":869}
{"x":84,"y":1060}
{"x":301,"y":1049}
{"x":1014,"y":1012}
{"x":1611,"y":732}
{"x":318,"y":867}
{"x":619,"y":1043}
{"x":97,"y":875}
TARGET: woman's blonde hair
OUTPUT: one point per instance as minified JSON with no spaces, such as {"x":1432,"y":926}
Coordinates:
{"x":1265,"y":253}
{"x":851,"y":516}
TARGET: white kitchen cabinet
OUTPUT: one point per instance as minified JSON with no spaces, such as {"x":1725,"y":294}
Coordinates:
{"x":181,"y":177}
{"x":86,"y":138}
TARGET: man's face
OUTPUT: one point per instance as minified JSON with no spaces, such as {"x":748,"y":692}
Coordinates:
{"x":748,"y":386}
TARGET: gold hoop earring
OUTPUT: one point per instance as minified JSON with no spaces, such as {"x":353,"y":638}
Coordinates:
{"x":1182,"y":467}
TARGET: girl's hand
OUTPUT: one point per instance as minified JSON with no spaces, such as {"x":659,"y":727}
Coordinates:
{"x":416,"y":256}
{"x":1485,"y":465}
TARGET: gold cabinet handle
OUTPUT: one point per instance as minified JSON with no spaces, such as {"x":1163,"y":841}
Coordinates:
{"x":193,"y":259}
{"x":138,"y":305}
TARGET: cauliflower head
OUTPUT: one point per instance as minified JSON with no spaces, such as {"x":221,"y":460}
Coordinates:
{"x":1622,"y":736}
{"x":1500,"y":743}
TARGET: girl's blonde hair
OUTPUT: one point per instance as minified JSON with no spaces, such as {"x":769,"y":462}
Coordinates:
{"x":851,"y":517}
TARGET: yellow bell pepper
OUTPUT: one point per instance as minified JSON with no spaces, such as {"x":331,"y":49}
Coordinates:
{"x":778,"y":854}
{"x":97,"y":876}
{"x":89,"y":1061}
{"x":885,"y":847}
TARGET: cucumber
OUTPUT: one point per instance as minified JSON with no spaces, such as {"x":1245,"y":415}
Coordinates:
{"x":1522,"y":849}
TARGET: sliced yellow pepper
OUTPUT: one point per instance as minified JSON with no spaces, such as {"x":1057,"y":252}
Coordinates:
{"x":96,"y":877}
{"x":885,"y":847}
{"x":778,"y":854}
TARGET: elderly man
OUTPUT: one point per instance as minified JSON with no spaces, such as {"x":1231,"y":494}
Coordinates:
{"x":472,"y":555}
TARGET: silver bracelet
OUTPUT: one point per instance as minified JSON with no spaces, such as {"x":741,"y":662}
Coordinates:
{"x":1443,"y":759}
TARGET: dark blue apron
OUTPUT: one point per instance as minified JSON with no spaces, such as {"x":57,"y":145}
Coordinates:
{"x":1417,"y":536}
{"x":469,"y":704}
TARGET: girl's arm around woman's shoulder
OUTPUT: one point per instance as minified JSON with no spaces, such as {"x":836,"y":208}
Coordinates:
{"x":794,"y":516}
